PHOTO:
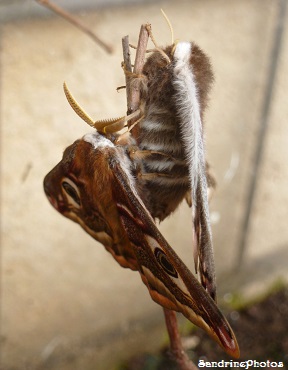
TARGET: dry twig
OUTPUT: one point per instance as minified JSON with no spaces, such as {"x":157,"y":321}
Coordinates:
{"x":56,"y":9}
{"x":176,"y":349}
{"x":133,"y":91}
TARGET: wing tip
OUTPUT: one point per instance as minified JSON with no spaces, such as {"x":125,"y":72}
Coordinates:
{"x":228,"y":341}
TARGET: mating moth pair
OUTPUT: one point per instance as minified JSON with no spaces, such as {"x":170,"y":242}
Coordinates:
{"x":115,"y":185}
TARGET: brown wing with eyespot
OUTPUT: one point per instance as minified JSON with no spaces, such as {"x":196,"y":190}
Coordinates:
{"x":169,"y":281}
{"x":80,"y":188}
{"x":95,"y":188}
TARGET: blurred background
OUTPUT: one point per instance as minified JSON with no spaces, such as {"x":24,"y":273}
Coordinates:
{"x":65,"y":303}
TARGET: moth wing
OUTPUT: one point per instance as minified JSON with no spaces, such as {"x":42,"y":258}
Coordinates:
{"x":169,"y":281}
{"x":190,"y":121}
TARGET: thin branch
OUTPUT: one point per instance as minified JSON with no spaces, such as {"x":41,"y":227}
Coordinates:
{"x":176,"y":348}
{"x":128,"y":68}
{"x":141,"y":48}
{"x":133,"y":91}
{"x":56,"y":9}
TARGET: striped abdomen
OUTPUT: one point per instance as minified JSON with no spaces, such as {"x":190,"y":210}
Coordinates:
{"x":166,"y":172}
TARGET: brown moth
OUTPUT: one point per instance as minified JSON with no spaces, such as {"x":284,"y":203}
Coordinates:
{"x":95,"y":185}
{"x":115,"y":185}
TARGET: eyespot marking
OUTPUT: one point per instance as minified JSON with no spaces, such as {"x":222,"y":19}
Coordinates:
{"x":71,"y":192}
{"x":165,"y":263}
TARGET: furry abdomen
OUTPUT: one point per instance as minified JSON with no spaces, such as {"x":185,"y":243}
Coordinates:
{"x":164,"y":172}
{"x":166,"y":175}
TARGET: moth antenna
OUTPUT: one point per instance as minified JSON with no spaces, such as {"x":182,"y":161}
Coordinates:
{"x":76,"y":107}
{"x":105,"y":125}
{"x":109,"y":126}
{"x":149,"y":30}
{"x":169,"y":25}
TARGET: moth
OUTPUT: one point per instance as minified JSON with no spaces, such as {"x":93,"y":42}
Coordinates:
{"x":167,"y":144}
{"x":115,"y":188}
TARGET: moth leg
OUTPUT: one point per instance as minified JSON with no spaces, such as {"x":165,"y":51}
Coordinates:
{"x":158,"y":48}
{"x":135,"y":123}
{"x":132,"y":74}
{"x":120,"y":88}
{"x":188,"y":198}
{"x":124,"y":139}
{"x":137,"y":80}
{"x":132,"y":46}
{"x":146,"y":51}
{"x":135,"y":153}
{"x":211,"y":182}
{"x":153,"y":175}
{"x":211,"y":186}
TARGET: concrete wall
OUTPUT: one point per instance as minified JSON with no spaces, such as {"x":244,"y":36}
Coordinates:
{"x":65,"y":303}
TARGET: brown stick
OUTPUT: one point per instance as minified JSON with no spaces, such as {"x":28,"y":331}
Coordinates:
{"x":133,"y":91}
{"x":176,"y":348}
{"x":127,"y":67}
{"x":56,"y":9}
